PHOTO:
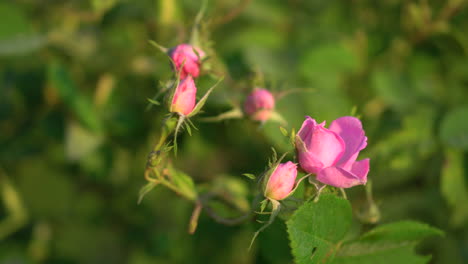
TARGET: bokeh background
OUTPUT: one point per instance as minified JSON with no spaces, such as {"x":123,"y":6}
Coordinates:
{"x":75,"y":131}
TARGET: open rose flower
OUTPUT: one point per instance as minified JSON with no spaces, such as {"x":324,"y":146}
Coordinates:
{"x":184,"y":54}
{"x":281,"y":181}
{"x":184,"y":97}
{"x":331,"y":153}
{"x":259,"y":104}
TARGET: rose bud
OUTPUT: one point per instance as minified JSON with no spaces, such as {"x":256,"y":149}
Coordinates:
{"x":189,"y":57}
{"x":183,"y":100}
{"x":259,"y":104}
{"x":281,"y":181}
{"x":331,"y":153}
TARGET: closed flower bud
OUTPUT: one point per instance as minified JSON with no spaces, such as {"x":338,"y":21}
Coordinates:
{"x":331,"y":153}
{"x":281,"y":181}
{"x":184,"y":97}
{"x":259,"y":104}
{"x":187,"y":57}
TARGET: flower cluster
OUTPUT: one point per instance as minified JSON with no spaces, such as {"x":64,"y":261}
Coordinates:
{"x":186,"y":61}
{"x":330,"y":154}
{"x":325,"y":156}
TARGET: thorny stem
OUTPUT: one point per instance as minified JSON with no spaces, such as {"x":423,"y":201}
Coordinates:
{"x":222,"y":220}
{"x":226,"y":221}
{"x":161,"y":180}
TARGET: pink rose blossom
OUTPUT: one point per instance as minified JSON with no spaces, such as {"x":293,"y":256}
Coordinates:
{"x":185,"y":55}
{"x":281,"y":181}
{"x":184,"y":99}
{"x":259,"y":104}
{"x":331,"y":153}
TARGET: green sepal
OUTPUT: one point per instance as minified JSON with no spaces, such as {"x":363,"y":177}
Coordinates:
{"x":202,"y":101}
{"x":156,"y":45}
{"x":283,"y":131}
{"x":249,"y":175}
{"x":153,"y":101}
{"x":276,"y":207}
{"x":146,"y":189}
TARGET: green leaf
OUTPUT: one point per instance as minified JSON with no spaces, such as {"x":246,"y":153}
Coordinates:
{"x":390,"y":256}
{"x":156,"y":45}
{"x":250,"y":176}
{"x":454,"y":128}
{"x":263,"y":205}
{"x":195,"y":36}
{"x":101,"y":6}
{"x":317,"y":229}
{"x":22,"y":44}
{"x":453,"y":186}
{"x":146,"y":189}
{"x":283,"y":131}
{"x":184,"y":184}
{"x":274,"y":157}
{"x":393,"y":87}
{"x":79,"y":142}
{"x":14,"y":21}
{"x":188,"y":128}
{"x":390,"y":243}
{"x":16,"y":214}
{"x":323,"y":63}
{"x":16,"y":34}
{"x":153,"y":101}
{"x":70,"y":94}
{"x":180,"y":122}
{"x":292,"y":137}
{"x":275,"y":209}
{"x":277,"y":117}
{"x":402,"y":231}
{"x":231,"y":114}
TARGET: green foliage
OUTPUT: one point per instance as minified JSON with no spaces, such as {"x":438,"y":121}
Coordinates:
{"x":76,"y":128}
{"x":73,"y":98}
{"x":184,"y":184}
{"x":454,"y":128}
{"x":454,"y":186}
{"x":145,"y":190}
{"x":317,"y":229}
{"x":16,"y":34}
{"x":318,"y":235}
{"x":202,"y":101}
{"x":249,"y":175}
{"x":154,"y":102}
{"x":387,"y":243}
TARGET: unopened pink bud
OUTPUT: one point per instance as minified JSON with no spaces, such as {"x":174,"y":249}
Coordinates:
{"x":281,"y":181}
{"x":259,"y":104}
{"x":184,"y":54}
{"x":184,"y":97}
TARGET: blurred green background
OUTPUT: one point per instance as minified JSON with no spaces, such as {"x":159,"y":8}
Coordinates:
{"x":74,"y":131}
